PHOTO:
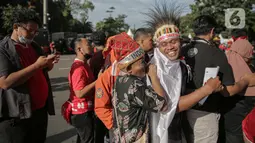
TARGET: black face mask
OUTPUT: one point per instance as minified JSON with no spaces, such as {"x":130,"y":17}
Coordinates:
{"x":87,"y":56}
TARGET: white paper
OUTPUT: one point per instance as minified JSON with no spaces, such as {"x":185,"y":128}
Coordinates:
{"x":211,"y":72}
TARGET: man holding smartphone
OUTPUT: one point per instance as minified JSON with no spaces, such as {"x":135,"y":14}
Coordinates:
{"x":25,"y":90}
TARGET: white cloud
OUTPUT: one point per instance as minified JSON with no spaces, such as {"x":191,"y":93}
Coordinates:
{"x":132,"y":8}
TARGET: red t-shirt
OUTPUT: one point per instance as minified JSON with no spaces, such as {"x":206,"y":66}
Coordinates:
{"x":249,"y":126}
{"x":79,"y":77}
{"x":37,"y":84}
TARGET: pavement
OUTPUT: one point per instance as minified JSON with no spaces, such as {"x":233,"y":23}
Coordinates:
{"x":58,"y":130}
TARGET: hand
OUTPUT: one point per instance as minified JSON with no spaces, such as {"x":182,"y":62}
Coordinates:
{"x":41,"y":62}
{"x":214,"y":84}
{"x":51,"y":57}
{"x":56,"y":60}
{"x":250,"y":79}
{"x":152,"y":70}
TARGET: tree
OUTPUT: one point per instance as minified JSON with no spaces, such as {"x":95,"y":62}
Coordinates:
{"x":110,"y":10}
{"x":4,"y":3}
{"x":186,"y":21}
{"x":113,"y":25}
{"x":79,"y":27}
{"x":62,"y":18}
{"x":217,"y":10}
{"x":6,"y":16}
{"x":81,"y":9}
{"x":60,"y":15}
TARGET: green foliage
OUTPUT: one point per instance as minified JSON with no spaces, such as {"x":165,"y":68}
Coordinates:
{"x":61,"y":19}
{"x":113,"y":25}
{"x":187,"y":20}
{"x":7,"y":16}
{"x":15,"y":14}
{"x":80,"y":8}
{"x":217,"y":10}
{"x":79,"y":27}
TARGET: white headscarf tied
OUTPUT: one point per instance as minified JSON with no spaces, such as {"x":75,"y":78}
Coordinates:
{"x":170,"y":75}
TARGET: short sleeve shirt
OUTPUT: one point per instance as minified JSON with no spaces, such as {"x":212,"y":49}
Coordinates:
{"x":201,"y":55}
{"x":79,"y":77}
{"x":134,"y":101}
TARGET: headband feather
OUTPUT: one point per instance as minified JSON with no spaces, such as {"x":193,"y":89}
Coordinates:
{"x":164,"y":18}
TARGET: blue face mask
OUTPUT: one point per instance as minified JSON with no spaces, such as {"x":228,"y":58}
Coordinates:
{"x":24,"y":40}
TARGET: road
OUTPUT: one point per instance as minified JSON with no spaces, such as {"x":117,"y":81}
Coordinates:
{"x":58,"y":130}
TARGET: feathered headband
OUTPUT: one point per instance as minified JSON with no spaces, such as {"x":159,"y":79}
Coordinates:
{"x":164,"y":18}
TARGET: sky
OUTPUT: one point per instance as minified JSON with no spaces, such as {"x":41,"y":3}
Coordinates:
{"x":132,"y":8}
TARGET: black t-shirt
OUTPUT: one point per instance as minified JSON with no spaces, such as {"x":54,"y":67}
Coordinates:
{"x":199,"y":55}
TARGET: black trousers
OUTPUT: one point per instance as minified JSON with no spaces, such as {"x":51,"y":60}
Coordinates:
{"x":32,"y":130}
{"x":12,"y":131}
{"x":100,"y":131}
{"x":234,"y":117}
{"x":37,"y":126}
{"x":84,"y":124}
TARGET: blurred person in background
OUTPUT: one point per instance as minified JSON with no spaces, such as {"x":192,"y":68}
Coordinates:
{"x":98,"y":41}
{"x":200,"y":56}
{"x":239,"y":57}
{"x":143,"y":36}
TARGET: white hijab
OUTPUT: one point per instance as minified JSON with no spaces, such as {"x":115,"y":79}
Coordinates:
{"x":170,"y":75}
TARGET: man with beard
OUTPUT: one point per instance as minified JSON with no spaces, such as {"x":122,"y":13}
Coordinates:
{"x":25,"y":90}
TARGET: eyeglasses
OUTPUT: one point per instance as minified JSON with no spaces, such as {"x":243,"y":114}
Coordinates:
{"x":33,"y":32}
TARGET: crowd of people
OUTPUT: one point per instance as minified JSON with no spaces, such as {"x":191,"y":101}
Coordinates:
{"x":142,"y":89}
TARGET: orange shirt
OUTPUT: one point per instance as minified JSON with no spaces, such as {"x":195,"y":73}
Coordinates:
{"x":103,"y":105}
